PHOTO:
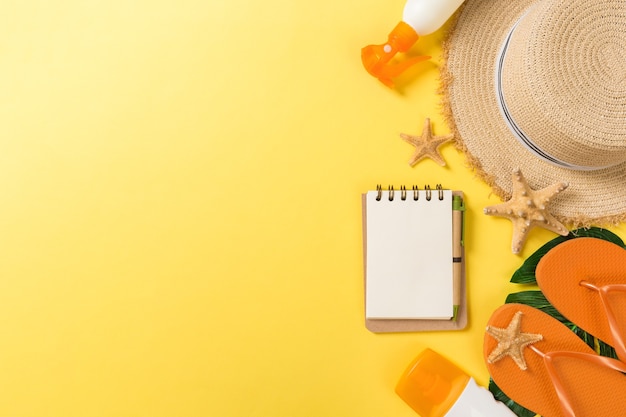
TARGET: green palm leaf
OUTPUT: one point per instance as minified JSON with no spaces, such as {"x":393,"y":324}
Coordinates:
{"x":499,"y":395}
{"x":537,"y":300}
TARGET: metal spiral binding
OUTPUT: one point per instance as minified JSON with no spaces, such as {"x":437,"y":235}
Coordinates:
{"x":416,"y":193}
{"x":403,"y":192}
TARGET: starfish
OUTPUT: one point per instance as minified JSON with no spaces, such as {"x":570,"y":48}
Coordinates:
{"x":527,"y":209}
{"x":511,"y":341}
{"x":426,"y":145}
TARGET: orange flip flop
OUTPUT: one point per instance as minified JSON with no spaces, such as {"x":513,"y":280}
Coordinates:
{"x":585,"y":279}
{"x":563,"y":377}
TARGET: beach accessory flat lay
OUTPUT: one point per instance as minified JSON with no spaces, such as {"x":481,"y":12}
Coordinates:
{"x":540,"y":85}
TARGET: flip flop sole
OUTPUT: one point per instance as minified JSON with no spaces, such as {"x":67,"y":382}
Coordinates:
{"x":597,"y":261}
{"x":592,"y":389}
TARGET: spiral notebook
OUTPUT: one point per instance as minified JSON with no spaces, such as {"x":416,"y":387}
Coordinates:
{"x":411,"y":280}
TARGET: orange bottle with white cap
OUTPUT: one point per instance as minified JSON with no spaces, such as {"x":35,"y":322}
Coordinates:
{"x":435,"y":387}
{"x":420,"y":18}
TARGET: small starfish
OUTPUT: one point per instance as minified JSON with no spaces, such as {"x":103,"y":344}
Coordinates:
{"x":426,"y":145}
{"x":511,"y":342}
{"x":527,"y":209}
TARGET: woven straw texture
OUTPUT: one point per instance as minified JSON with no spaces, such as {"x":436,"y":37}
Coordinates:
{"x":564,"y":82}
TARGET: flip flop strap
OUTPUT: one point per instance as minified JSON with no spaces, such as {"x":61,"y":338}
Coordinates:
{"x":561,"y":391}
{"x":603,"y":292}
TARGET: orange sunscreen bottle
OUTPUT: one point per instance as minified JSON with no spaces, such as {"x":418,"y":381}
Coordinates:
{"x":420,"y":17}
{"x":435,"y":387}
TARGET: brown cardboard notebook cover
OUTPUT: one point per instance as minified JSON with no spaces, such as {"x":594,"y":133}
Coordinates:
{"x":415,"y":325}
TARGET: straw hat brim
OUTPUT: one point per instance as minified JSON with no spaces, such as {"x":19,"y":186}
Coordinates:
{"x":471,"y":110}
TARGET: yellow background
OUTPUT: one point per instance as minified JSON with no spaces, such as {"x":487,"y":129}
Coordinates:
{"x":180,"y":225}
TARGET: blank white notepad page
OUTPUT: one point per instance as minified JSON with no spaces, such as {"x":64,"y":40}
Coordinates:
{"x":408,"y":256}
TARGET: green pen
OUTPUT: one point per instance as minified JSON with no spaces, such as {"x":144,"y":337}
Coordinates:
{"x":458,"y":209}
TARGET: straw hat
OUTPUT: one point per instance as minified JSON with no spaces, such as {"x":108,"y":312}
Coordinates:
{"x":540,"y":85}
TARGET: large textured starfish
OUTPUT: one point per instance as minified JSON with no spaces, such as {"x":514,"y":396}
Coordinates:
{"x":527,"y":209}
{"x":426,"y":145}
{"x":511,"y":341}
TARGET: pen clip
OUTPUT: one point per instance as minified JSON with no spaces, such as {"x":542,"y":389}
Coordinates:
{"x":462,"y":223}
{"x":458,"y":204}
